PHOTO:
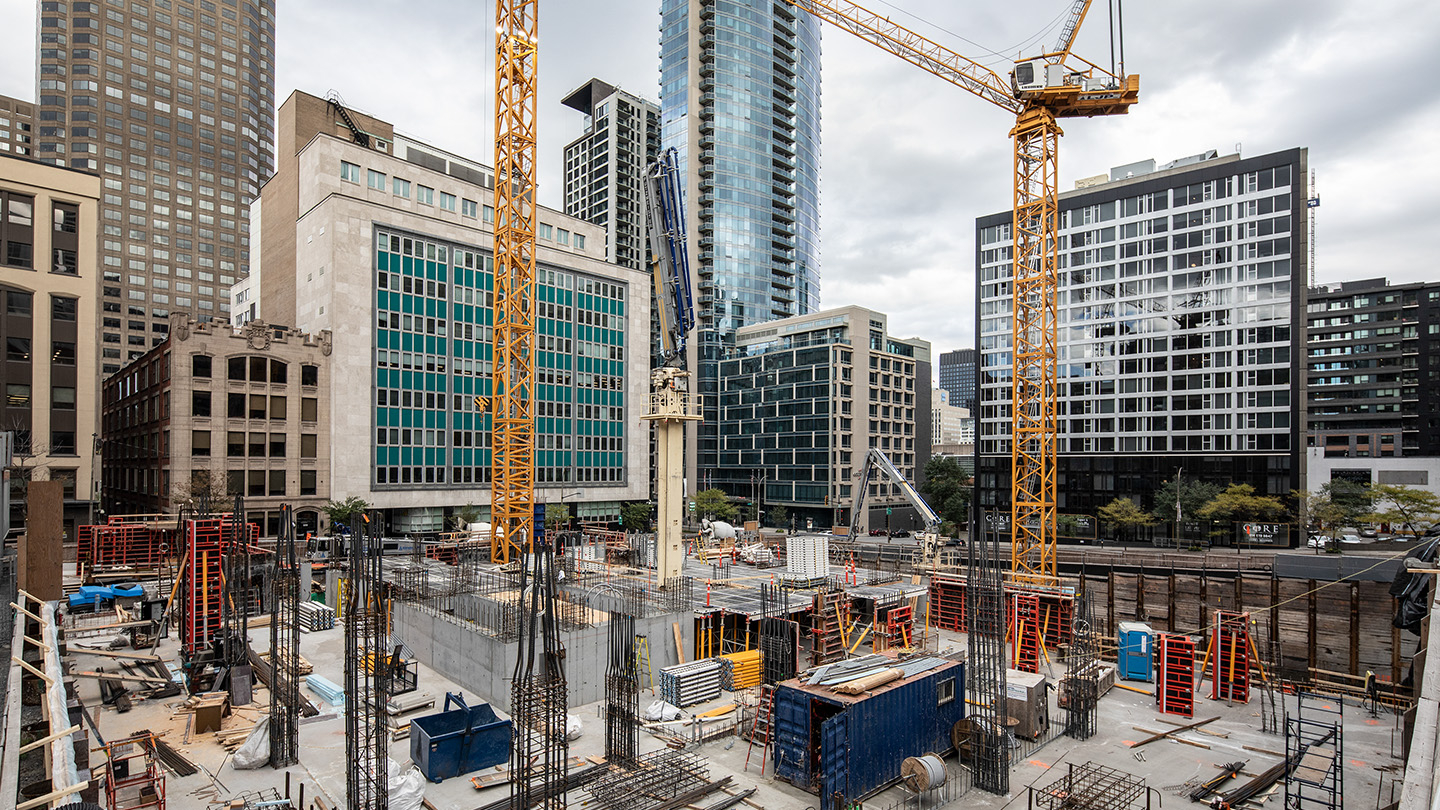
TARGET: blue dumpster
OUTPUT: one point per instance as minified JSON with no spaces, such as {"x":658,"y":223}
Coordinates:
{"x":1136,"y":649}
{"x":458,"y":741}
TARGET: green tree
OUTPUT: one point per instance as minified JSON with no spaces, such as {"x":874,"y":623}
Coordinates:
{"x":1192,"y":494}
{"x":1126,"y":515}
{"x":713,"y":504}
{"x":948,"y":489}
{"x":1415,"y":509}
{"x":206,"y":490}
{"x":778,"y":517}
{"x":635,"y":516}
{"x":557,"y":516}
{"x":347,"y":511}
{"x":465,"y":515}
{"x":1351,"y":500}
{"x":1239,"y":502}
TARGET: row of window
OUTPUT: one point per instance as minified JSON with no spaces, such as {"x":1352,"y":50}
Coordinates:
{"x":258,"y":445}
{"x":254,"y":406}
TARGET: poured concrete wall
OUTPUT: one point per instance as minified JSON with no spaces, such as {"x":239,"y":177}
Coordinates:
{"x":484,"y":665}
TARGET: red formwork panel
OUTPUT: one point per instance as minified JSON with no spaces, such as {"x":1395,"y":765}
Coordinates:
{"x":947,"y":603}
{"x":84,"y":546}
{"x":1175,"y":674}
{"x":1230,"y":661}
{"x":1025,"y":631}
{"x":206,"y":542}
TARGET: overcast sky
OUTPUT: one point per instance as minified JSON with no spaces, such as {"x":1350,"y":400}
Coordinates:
{"x":909,"y":161}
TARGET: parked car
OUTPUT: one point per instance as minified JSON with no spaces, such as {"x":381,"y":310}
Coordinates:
{"x":1351,"y":539}
{"x":1369,"y":531}
{"x":1318,"y":541}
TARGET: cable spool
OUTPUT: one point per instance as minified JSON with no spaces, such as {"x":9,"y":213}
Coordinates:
{"x":923,"y":773}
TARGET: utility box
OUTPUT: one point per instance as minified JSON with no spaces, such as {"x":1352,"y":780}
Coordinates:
{"x":1027,"y":701}
{"x":1136,"y":651}
{"x":459,"y":741}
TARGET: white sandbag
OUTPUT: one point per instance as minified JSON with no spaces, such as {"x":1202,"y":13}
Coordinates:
{"x":407,"y":787}
{"x":660,"y":710}
{"x":573,"y":728}
{"x":255,"y":751}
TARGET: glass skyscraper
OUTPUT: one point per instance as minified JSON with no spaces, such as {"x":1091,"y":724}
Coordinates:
{"x":740,"y":102}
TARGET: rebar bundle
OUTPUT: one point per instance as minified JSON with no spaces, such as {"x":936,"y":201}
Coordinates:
{"x":285,"y":702}
{"x":235,"y":591}
{"x":779,"y":637}
{"x":367,"y":676}
{"x":1081,"y":686}
{"x":985,"y":593}
{"x":622,"y":693}
{"x":539,"y":755}
{"x":1091,"y":787}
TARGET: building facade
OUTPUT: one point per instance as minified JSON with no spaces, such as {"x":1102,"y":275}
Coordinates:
{"x":803,"y":400}
{"x":1374,"y":369}
{"x":48,"y":267}
{"x":740,"y":102}
{"x":605,"y":167}
{"x":949,"y":424}
{"x":212,"y":413}
{"x":959,"y":370}
{"x":17,"y":126}
{"x":1180,"y":314}
{"x":172,"y":104}
{"x":390,"y":251}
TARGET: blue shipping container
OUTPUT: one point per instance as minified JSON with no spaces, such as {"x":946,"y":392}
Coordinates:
{"x":853,"y":745}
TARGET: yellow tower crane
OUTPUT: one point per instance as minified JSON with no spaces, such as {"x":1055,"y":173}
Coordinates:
{"x":1039,"y":91}
{"x":512,"y":486}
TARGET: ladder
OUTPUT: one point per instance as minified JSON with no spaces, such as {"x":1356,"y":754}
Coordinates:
{"x":760,"y":728}
{"x":1027,"y":632}
{"x":644,"y":677}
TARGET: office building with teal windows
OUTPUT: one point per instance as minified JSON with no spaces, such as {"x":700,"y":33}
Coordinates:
{"x":389,"y":246}
{"x":740,"y":102}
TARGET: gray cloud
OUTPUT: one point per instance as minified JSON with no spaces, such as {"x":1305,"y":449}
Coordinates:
{"x":910,"y":161}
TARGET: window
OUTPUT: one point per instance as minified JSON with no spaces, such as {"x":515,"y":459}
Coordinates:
{"x":67,"y":218}
{"x":425,"y":194}
{"x":488,"y":213}
{"x":277,"y":482}
{"x":17,"y":395}
{"x":562,"y":236}
{"x":279,"y":372}
{"x":401,"y":188}
{"x":944,"y":691}
{"x":62,"y":442}
{"x":257,"y":445}
{"x":469,"y":208}
{"x":62,"y":397}
{"x":375,"y":180}
{"x":255,"y":483}
{"x":66,"y":477}
{"x":277,"y":445}
{"x":17,"y":227}
{"x":236,"y":369}
{"x":17,"y":350}
{"x":307,"y":445}
{"x":309,"y":375}
{"x":277,"y":408}
{"x":18,"y":304}
{"x":235,"y":406}
{"x":62,"y":353}
{"x":257,"y":406}
{"x":307,"y":482}
{"x":65,"y":242}
{"x":62,"y":309}
{"x":309,"y":409}
{"x":200,"y":403}
{"x":447,"y":201}
{"x":200,"y":366}
{"x":579,"y":241}
{"x":257,"y":369}
{"x":546,"y":232}
{"x":350,"y":172}
{"x":235,"y":444}
{"x":199,"y":442}
{"x":65,"y":262}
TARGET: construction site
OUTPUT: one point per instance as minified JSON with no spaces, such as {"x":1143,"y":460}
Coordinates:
{"x":175,"y":660}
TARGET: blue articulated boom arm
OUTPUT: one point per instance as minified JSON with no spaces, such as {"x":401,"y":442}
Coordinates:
{"x":670,"y":257}
{"x":877,"y":460}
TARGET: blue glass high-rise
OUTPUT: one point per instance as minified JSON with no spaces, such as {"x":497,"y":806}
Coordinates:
{"x":740,"y":103}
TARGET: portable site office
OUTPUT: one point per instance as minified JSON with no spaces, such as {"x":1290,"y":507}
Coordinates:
{"x":849,"y":746}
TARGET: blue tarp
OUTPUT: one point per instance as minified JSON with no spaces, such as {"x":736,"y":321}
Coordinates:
{"x":90,"y":594}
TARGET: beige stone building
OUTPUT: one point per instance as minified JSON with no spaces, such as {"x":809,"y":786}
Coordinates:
{"x":48,"y":319}
{"x":218,"y":412}
{"x":17,"y":126}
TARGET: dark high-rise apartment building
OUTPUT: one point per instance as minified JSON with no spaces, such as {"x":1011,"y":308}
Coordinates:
{"x":1374,"y":369}
{"x":605,"y":166}
{"x":172,"y":103}
{"x":958,"y":371}
{"x":740,"y":101}
{"x":1181,"y":307}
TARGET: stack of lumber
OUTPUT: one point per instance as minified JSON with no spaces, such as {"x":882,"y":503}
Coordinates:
{"x":305,"y":667}
{"x":687,"y":684}
{"x":741,"y":670}
{"x":316,"y":616}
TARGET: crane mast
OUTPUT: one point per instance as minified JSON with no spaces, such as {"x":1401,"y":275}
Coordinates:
{"x":512,"y":487}
{"x":1040,"y":90}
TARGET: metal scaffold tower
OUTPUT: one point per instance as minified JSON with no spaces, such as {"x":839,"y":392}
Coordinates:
{"x":1315,"y":749}
{"x":538,"y":699}
{"x":985,"y":594}
{"x":367,"y":762}
{"x":285,"y":647}
{"x":622,"y":693}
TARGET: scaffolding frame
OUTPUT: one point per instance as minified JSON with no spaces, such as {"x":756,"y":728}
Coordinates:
{"x":985,"y":609}
{"x":285,"y":703}
{"x":367,"y":737}
{"x":1315,"y":750}
{"x":133,"y":778}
